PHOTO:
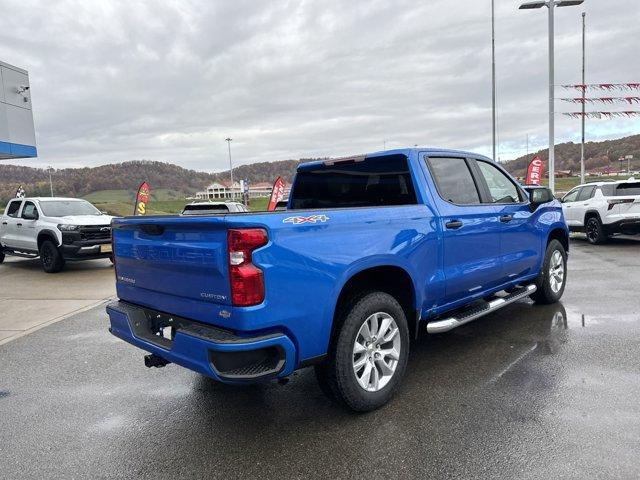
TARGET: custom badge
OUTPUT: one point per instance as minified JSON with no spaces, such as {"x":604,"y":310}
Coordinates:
{"x":310,"y":219}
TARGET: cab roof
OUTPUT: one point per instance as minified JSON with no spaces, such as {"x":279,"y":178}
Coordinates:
{"x":52,"y":199}
{"x":408,"y":152}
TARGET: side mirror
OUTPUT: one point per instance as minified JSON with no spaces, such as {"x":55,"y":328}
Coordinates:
{"x":538,"y":196}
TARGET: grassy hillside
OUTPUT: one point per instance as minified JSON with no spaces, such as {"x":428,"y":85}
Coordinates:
{"x":598,"y":155}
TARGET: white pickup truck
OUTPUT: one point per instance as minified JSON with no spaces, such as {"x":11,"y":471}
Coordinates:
{"x":56,"y":230}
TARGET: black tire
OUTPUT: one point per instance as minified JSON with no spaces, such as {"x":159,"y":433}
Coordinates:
{"x":546,"y":293}
{"x":336,"y":375}
{"x":1,"y":255}
{"x":595,"y":232}
{"x":51,"y":258}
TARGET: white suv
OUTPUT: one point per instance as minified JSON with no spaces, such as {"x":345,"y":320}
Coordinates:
{"x":602,"y":209}
{"x":56,"y":230}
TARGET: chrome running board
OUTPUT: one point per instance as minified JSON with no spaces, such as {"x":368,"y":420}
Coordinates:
{"x":446,"y":324}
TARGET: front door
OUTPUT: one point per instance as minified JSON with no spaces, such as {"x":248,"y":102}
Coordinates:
{"x":471,"y":230}
{"x":519,"y":240}
{"x":570,"y":207}
{"x":26,"y":237}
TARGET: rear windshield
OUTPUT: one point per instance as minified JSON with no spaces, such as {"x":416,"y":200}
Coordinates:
{"x":626,"y":189}
{"x":370,"y":182}
{"x":205,"y":209}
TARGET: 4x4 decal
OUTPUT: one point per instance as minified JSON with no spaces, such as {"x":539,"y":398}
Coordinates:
{"x":310,"y":219}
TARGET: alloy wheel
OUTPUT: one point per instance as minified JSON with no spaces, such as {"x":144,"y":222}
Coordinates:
{"x":376,"y":351}
{"x":556,"y":271}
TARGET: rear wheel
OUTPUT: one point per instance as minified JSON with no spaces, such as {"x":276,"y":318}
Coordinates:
{"x":368,"y":356}
{"x":1,"y":255}
{"x":52,"y":261}
{"x":595,"y":232}
{"x":553,"y":277}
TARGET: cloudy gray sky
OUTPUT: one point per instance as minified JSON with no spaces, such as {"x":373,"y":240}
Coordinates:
{"x":169,"y":80}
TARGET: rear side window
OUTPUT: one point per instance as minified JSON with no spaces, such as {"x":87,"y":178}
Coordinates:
{"x":626,"y":189}
{"x":205,"y":209}
{"x":586,"y":193}
{"x":378,"y":181}
{"x":453,"y":180}
{"x":608,"y":190}
{"x":13,"y":208}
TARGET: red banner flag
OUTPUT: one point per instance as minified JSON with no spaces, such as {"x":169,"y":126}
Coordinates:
{"x":277,"y":194}
{"x":142,"y":198}
{"x":535,"y":171}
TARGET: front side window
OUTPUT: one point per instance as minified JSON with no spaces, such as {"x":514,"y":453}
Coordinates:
{"x":64,"y":208}
{"x":572,"y":196}
{"x":13,"y":208}
{"x":358,"y":182}
{"x":29,"y":211}
{"x":501,"y":188}
{"x":453,"y":180}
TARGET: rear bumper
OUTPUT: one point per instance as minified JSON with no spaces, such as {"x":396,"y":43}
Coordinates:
{"x":220,"y":354}
{"x":627,"y":225}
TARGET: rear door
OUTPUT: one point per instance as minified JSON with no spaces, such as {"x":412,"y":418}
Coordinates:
{"x":471,"y":230}
{"x":8,"y":233}
{"x":519,"y":240}
{"x":582,"y":204}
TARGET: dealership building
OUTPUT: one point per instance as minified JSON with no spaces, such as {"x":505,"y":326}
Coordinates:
{"x":17,"y":134}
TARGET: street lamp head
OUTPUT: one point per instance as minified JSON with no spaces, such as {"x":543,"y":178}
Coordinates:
{"x":569,"y":3}
{"x":228,"y":139}
{"x":531,"y":5}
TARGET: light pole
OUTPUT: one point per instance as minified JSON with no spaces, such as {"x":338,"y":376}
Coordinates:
{"x":584,"y":91}
{"x":551,"y":4}
{"x":493,"y":78}
{"x":50,"y":181}
{"x":229,"y":140}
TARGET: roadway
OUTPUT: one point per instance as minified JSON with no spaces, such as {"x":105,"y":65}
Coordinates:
{"x":528,"y":392}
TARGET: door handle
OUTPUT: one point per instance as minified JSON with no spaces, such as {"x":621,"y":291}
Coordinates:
{"x":4,"y":223}
{"x":453,"y":224}
{"x":506,"y":218}
{"x":18,"y":224}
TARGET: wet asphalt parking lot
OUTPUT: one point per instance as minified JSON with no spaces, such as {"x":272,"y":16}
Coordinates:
{"x":528,"y":392}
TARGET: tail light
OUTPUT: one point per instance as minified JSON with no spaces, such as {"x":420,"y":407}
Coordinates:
{"x":612,"y":203}
{"x":247,"y":282}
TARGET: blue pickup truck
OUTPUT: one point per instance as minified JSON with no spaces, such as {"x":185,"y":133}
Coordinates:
{"x":370,"y":251}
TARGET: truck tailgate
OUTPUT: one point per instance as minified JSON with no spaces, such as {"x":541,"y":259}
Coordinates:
{"x":177,"y":256}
